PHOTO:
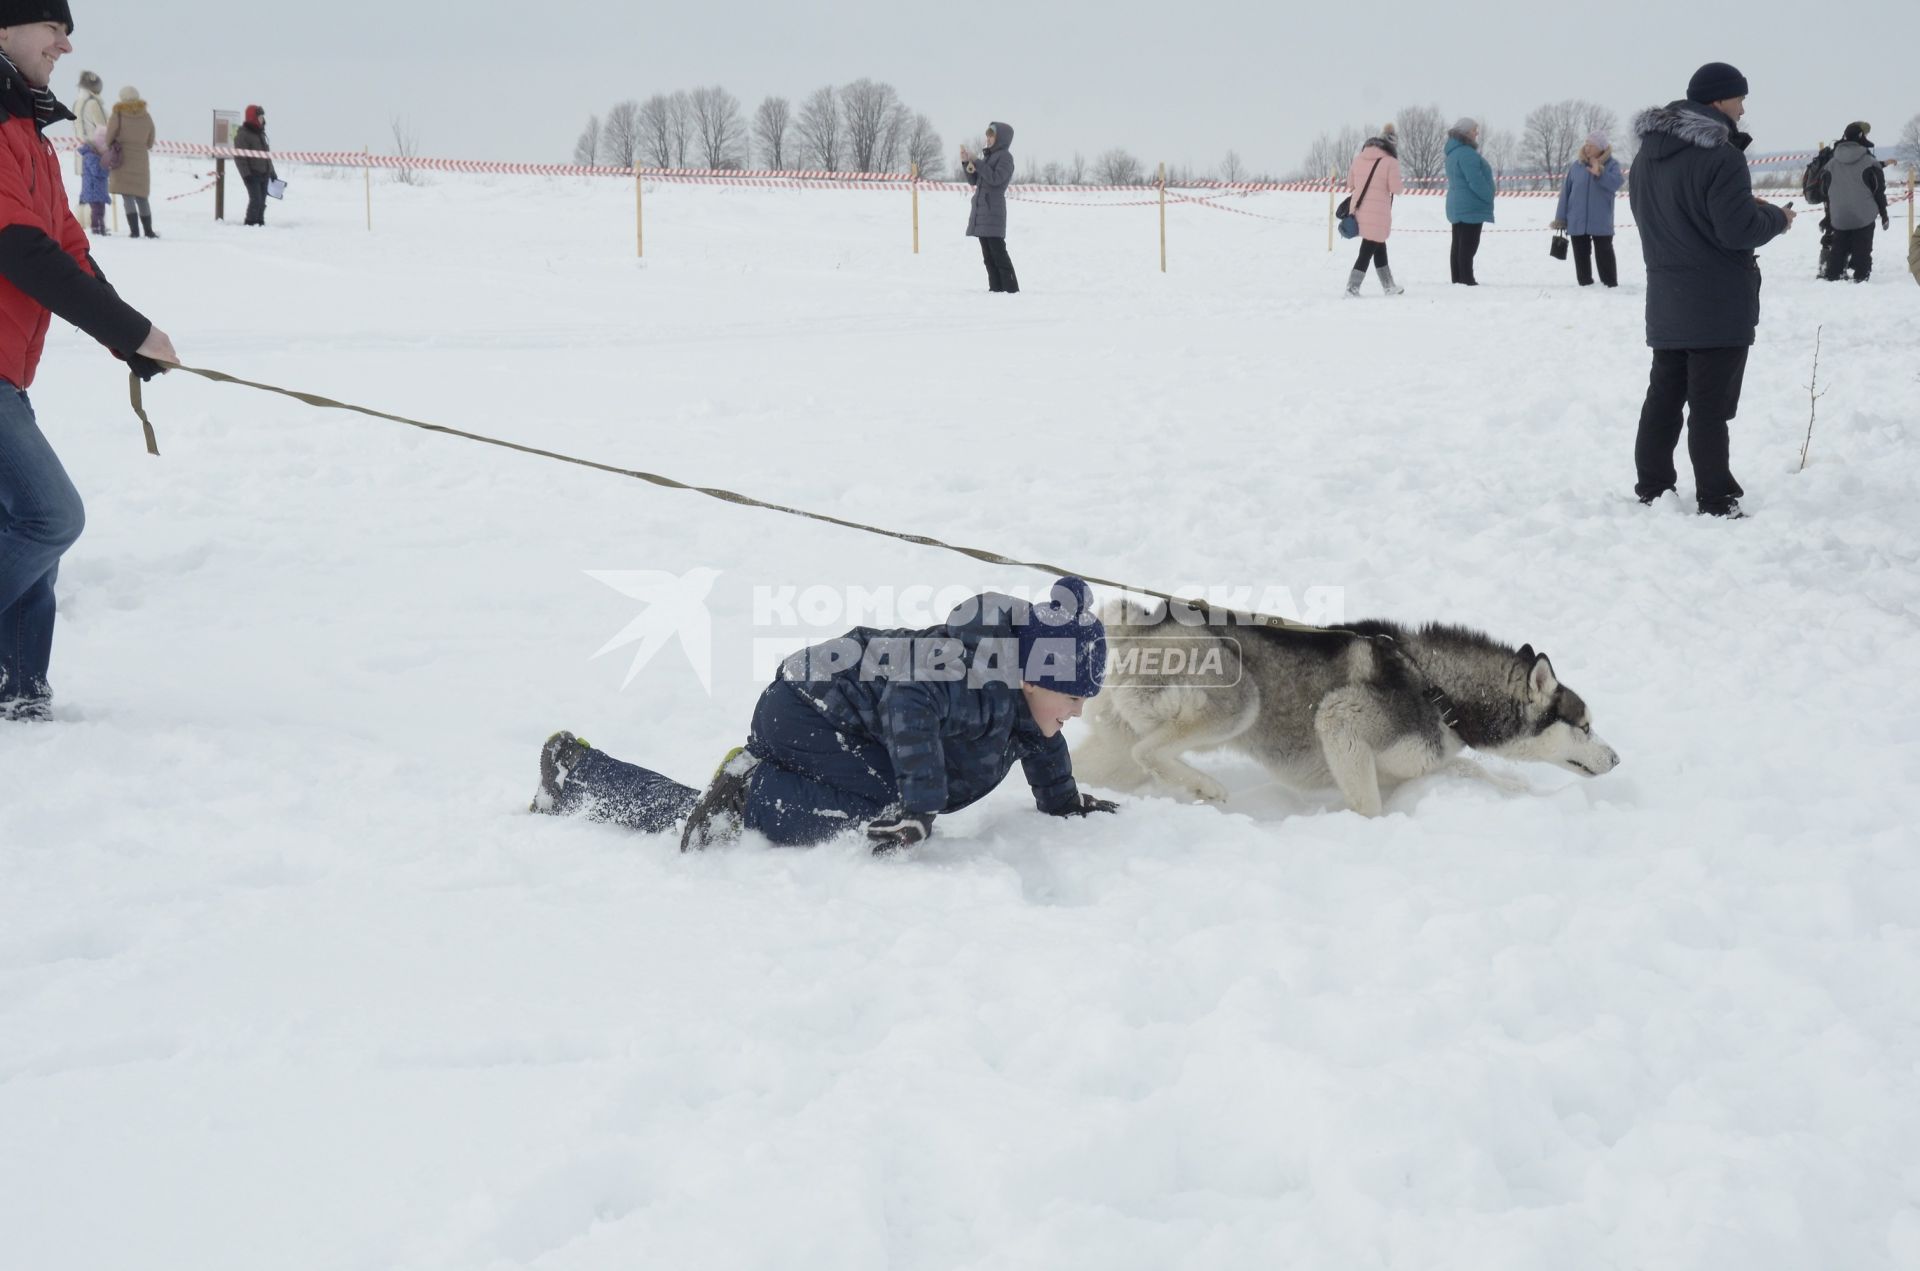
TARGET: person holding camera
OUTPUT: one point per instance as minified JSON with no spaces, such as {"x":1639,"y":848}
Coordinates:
{"x":990,"y":173}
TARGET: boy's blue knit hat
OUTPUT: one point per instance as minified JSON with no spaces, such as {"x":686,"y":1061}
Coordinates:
{"x":1063,"y":643}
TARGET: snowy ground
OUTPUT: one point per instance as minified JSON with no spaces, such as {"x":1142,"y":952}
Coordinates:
{"x":290,"y":979}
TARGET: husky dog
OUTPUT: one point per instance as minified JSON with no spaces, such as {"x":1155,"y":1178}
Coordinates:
{"x":1361,"y":706}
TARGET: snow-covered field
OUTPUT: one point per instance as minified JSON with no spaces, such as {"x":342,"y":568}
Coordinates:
{"x":289,"y":978}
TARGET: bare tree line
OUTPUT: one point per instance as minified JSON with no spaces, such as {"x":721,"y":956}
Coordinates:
{"x":1545,"y":146}
{"x":860,"y":127}
{"x":1554,"y":133}
{"x":865,"y":127}
{"x":1909,"y":148}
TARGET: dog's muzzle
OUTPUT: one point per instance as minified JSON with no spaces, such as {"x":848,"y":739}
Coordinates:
{"x":1609,"y":760}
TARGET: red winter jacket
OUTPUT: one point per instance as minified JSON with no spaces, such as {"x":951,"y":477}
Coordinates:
{"x":45,"y":267}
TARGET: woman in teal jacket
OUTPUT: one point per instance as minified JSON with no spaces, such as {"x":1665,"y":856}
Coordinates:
{"x":1469,"y":196}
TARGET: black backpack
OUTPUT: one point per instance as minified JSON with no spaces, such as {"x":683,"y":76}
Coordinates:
{"x":1813,"y":186}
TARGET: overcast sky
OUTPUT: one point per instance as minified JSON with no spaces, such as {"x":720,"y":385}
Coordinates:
{"x":1183,"y":82}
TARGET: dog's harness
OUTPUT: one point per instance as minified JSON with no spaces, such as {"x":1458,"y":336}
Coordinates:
{"x":1449,"y":715}
{"x":1433,"y":694}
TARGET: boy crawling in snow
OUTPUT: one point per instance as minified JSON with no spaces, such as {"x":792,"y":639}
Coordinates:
{"x":877,"y":729}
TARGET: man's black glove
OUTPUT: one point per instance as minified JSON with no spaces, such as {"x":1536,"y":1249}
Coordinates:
{"x":905,"y":830}
{"x":1085,"y":803}
{"x":145,"y":367}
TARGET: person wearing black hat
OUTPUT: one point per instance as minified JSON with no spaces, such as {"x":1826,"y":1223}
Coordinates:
{"x":880,"y":731}
{"x":1699,"y":224}
{"x":45,"y":269}
{"x":1856,"y":193}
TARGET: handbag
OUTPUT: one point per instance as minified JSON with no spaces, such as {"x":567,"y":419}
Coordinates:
{"x":113,"y":156}
{"x":1350,"y":224}
{"x":1558,"y":248}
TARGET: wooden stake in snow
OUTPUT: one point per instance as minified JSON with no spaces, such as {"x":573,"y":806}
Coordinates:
{"x":639,"y":213}
{"x":916,"y":209}
{"x":1333,"y":185}
{"x":1813,"y":398}
{"x":1163,"y":218}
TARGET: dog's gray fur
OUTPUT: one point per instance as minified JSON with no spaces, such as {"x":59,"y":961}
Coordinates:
{"x":1354,"y":709}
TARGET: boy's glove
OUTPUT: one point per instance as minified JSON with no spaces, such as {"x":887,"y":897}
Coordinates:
{"x":905,"y":830}
{"x":1085,"y":803}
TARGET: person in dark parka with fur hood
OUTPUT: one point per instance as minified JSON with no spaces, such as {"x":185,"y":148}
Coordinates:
{"x":1699,"y":225}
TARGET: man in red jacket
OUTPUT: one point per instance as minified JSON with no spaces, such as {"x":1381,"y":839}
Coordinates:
{"x":45,"y":269}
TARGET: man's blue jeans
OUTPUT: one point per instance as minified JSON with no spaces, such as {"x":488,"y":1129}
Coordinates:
{"x":40,"y":517}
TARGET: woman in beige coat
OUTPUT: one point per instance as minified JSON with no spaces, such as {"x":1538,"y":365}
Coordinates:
{"x":89,"y":122}
{"x":132,"y":128}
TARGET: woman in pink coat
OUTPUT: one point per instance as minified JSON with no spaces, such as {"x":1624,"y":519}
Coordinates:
{"x":1374,"y":180}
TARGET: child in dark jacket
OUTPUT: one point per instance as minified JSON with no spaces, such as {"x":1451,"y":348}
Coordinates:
{"x":881,"y":730}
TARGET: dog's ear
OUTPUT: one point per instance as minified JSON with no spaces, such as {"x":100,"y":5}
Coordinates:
{"x":1525,"y":656}
{"x":1541,"y":680}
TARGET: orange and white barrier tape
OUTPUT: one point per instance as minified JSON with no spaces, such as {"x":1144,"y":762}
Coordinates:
{"x":813,"y":179}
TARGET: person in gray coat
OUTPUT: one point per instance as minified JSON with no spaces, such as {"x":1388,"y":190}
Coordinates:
{"x":1856,"y":191}
{"x":990,"y":173}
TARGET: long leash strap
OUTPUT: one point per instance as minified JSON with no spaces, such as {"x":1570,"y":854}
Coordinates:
{"x":1213,"y":612}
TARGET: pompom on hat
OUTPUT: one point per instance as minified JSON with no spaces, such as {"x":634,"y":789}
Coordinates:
{"x":1063,"y":643}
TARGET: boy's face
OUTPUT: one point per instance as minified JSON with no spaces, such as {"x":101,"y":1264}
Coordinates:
{"x":1051,"y":710}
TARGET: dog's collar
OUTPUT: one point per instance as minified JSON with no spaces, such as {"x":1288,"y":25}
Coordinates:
{"x":1449,"y":713}
{"x":1436,"y":697}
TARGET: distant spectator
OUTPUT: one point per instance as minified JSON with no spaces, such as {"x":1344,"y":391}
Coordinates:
{"x":255,"y":172}
{"x":989,"y":173}
{"x":90,"y":126}
{"x":131,"y":128}
{"x":1856,"y":194}
{"x":1374,"y":179}
{"x":1586,"y":210}
{"x":1469,"y":196}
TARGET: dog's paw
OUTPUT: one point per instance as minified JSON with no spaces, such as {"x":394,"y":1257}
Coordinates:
{"x":1509,"y":785}
{"x":1206,"y":790}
